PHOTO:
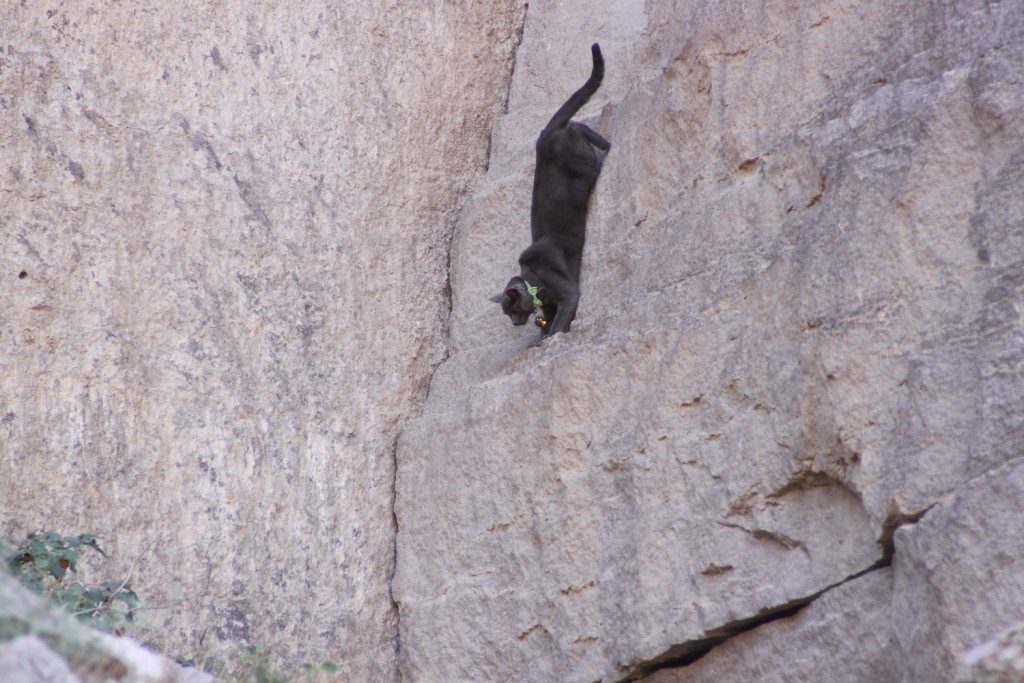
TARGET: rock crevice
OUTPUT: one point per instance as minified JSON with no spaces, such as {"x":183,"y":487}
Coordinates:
{"x":685,"y":654}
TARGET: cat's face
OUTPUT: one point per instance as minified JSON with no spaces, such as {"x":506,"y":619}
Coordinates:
{"x":515,"y":301}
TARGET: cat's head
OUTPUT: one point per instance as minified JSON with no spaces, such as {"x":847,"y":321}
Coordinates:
{"x":515,"y":301}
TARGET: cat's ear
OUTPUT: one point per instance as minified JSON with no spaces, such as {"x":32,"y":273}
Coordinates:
{"x":513,"y":294}
{"x":496,"y":298}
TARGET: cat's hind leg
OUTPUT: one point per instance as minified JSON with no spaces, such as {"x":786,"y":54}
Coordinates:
{"x":591,"y":136}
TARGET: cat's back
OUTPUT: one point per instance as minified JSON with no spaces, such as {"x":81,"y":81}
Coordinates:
{"x":567,"y":167}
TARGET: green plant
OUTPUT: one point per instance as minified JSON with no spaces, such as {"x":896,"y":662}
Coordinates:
{"x":254,"y":665}
{"x":321,"y":671}
{"x":47,"y":562}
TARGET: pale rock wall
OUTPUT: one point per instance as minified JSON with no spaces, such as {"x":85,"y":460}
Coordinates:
{"x":796,"y":376}
{"x":955,"y":582}
{"x":224,"y":239}
{"x":1000,"y":660}
{"x":785,"y":432}
{"x":845,"y":635}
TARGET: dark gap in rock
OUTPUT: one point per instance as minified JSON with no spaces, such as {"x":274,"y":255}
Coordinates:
{"x":893,"y":521}
{"x":687,"y":653}
{"x":520,"y":31}
{"x":684,"y":654}
{"x":749,"y":165}
{"x":395,"y":607}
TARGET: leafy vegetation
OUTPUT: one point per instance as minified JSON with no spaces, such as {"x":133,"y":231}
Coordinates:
{"x":254,"y":665}
{"x":47,"y":564}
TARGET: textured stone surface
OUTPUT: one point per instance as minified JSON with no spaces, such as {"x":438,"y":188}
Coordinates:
{"x":845,"y":636}
{"x":947,"y":609}
{"x":800,"y":328}
{"x":223,"y":249}
{"x":228,"y":235}
{"x":1001,"y":660}
{"x":27,"y":659}
{"x":959,"y":574}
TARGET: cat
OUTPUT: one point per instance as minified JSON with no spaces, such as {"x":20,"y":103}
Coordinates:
{"x":567,"y":168}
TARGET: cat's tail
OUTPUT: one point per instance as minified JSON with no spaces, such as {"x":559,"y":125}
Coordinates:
{"x":580,"y":97}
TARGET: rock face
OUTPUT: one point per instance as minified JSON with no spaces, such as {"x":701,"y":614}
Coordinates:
{"x":223,"y":244}
{"x":845,"y":635}
{"x":918,"y":620}
{"x":244,"y":335}
{"x":798,"y":361}
{"x":1000,"y":660}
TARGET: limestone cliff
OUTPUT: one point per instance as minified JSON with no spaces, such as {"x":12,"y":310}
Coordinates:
{"x":244,"y":332}
{"x":224,"y":237}
{"x":796,"y":378}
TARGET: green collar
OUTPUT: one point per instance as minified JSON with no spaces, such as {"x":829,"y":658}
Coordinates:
{"x":537,"y":304}
{"x":532,"y":291}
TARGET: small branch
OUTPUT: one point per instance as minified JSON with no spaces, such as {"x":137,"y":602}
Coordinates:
{"x":176,"y":603}
{"x":124,"y":582}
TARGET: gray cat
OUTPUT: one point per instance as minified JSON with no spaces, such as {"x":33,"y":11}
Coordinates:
{"x":567,"y":168}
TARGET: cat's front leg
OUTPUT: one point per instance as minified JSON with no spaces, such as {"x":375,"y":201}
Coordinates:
{"x":566,"y":311}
